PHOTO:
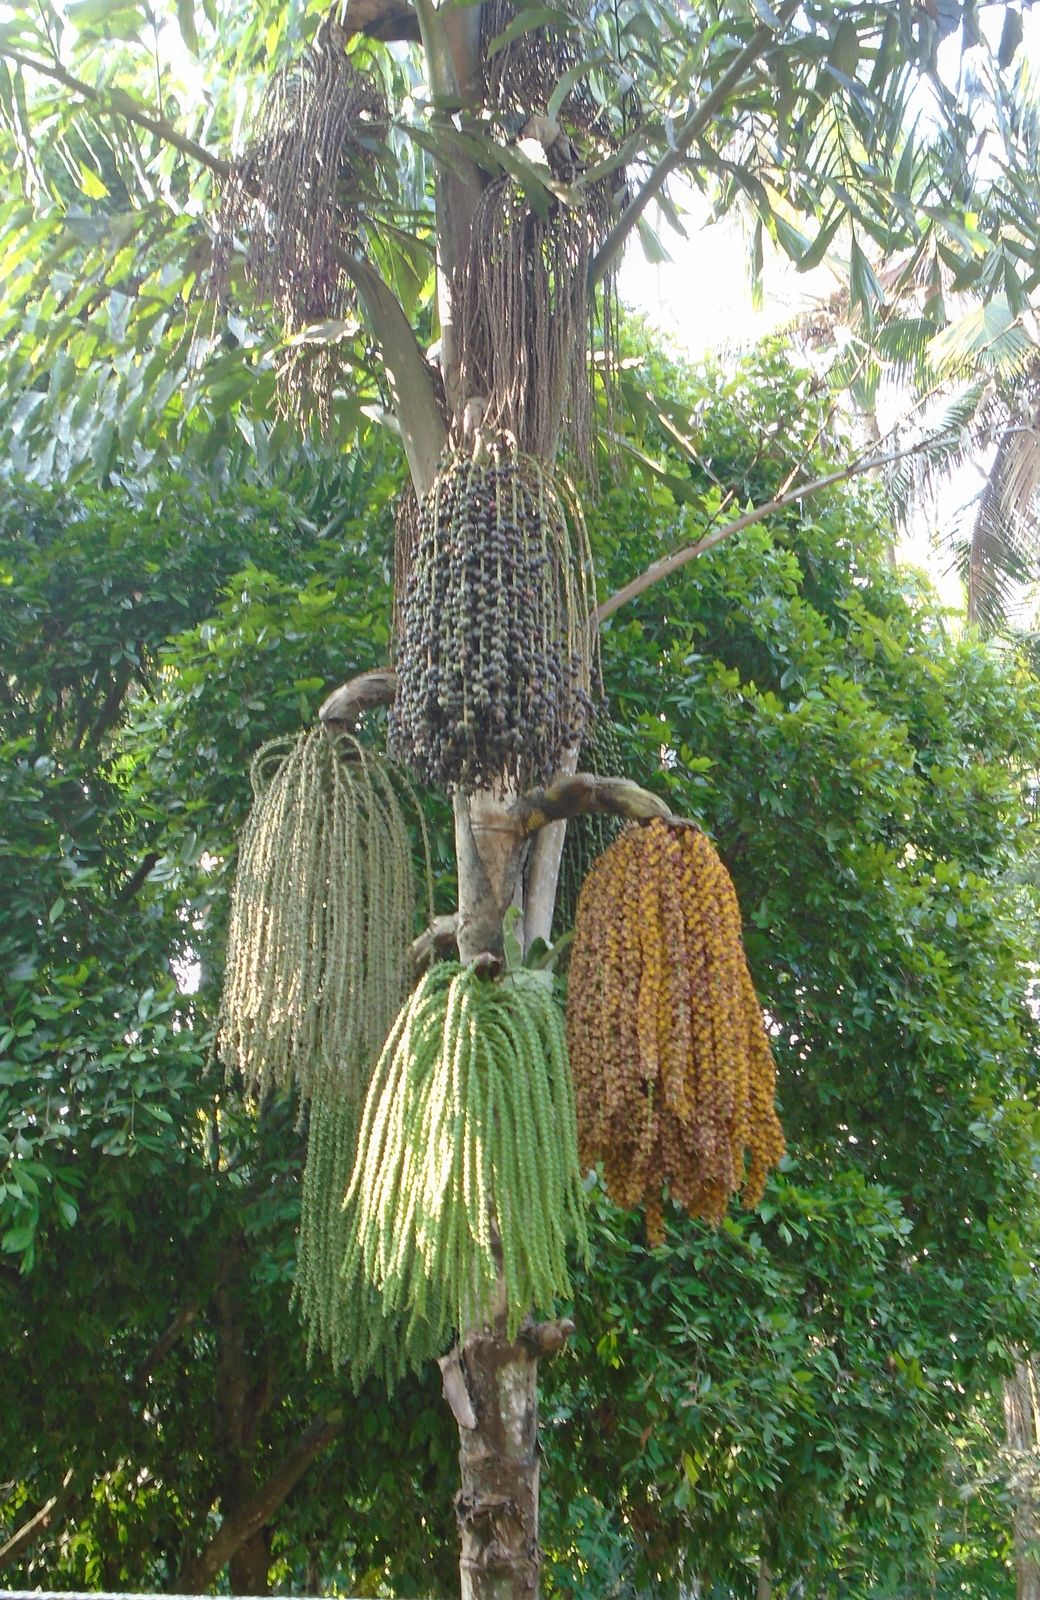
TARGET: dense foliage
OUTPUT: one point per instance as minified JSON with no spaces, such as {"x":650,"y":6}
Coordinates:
{"x":812,"y":1384}
{"x":867,"y":777}
{"x":845,"y":133}
{"x":151,"y":1212}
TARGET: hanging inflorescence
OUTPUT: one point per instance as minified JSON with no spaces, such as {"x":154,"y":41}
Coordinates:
{"x":321,"y":917}
{"x":493,"y":652}
{"x":406,"y":541}
{"x":524,"y":73}
{"x":528,"y":316}
{"x":673,"y":1072}
{"x":525,"y":313}
{"x":466,"y":1189}
{"x":318,"y":961}
{"x":296,"y":196}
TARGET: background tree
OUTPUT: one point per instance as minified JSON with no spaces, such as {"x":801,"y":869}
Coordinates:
{"x":786,"y":1389}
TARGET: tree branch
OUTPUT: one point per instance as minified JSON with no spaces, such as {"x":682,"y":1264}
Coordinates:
{"x":119,"y":102}
{"x":163,"y":1345}
{"x":697,"y":120}
{"x":440,"y":936}
{"x":671,"y":563}
{"x":411,"y":381}
{"x":544,"y":813}
{"x":582,"y":792}
{"x":367,"y":690}
{"x":137,"y":881}
{"x":48,"y":1513}
{"x":252,"y":1515}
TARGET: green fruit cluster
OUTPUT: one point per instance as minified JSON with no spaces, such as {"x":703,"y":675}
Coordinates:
{"x":466,"y":1190}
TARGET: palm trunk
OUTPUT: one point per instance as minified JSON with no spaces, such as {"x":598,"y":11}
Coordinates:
{"x":497,"y":1505}
{"x":492,"y":1384}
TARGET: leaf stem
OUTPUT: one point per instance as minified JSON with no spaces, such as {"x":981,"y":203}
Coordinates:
{"x":664,"y":567}
{"x":697,"y":120}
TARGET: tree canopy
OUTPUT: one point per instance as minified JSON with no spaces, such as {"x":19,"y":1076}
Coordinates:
{"x":845,"y":131}
{"x":813,"y":1384}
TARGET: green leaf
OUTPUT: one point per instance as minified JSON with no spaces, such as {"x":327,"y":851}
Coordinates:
{"x":766,"y":14}
{"x":990,"y":336}
{"x":844,"y":54}
{"x":821,"y":244}
{"x":864,"y":288}
{"x":1010,"y":37}
{"x":572,"y":76}
{"x":102,"y":13}
{"x":186,"y":23}
{"x":527,"y":18}
{"x":93,"y":187}
{"x":653,"y":247}
{"x":510,"y":939}
{"x":790,"y":239}
{"x":15,"y":1240}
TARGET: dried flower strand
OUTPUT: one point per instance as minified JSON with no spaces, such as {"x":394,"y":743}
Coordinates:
{"x":296,"y":196}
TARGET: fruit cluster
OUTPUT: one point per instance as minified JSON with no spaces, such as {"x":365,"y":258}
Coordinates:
{"x":466,"y":1192}
{"x":526,"y":67}
{"x":492,"y":645}
{"x":673,"y":1072}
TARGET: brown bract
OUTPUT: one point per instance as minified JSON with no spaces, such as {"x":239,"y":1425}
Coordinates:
{"x":673,"y":1073}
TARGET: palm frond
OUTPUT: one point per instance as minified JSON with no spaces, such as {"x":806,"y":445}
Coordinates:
{"x":1004,"y":549}
{"x":945,"y":437}
{"x":1015,"y":488}
{"x":990,"y":338}
{"x":902,"y":344}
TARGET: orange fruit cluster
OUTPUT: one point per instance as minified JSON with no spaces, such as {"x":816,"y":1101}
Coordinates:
{"x":673,"y":1073}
